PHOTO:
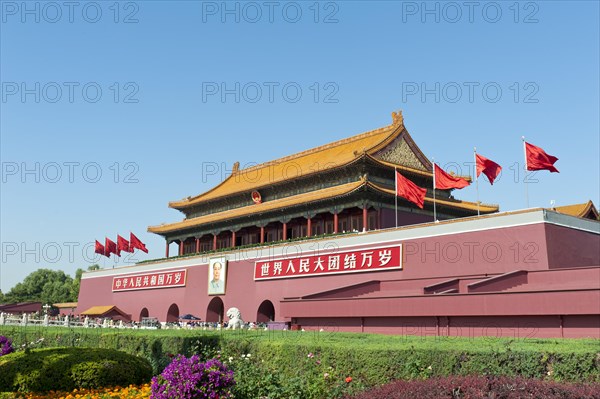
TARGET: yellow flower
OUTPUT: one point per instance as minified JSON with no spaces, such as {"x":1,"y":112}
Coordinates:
{"x":130,"y":392}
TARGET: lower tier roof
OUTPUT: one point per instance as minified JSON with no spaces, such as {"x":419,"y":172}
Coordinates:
{"x":306,"y":198}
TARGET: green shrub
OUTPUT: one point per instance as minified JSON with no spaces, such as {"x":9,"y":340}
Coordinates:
{"x":156,"y":346}
{"x":65,"y":369}
{"x":279,"y":366}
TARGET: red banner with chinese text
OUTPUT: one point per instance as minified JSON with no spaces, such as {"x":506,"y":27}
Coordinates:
{"x":362,"y":260}
{"x":148,"y":281}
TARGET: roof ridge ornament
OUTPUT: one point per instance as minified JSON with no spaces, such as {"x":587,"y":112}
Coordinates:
{"x":397,"y":118}
{"x":236,"y":168}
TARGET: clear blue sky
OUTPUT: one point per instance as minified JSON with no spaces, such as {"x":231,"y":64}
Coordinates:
{"x":527,"y":68}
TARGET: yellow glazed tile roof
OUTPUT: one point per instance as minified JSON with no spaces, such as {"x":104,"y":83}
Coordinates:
{"x":65,"y":305}
{"x":98,"y":310}
{"x":472,"y":206}
{"x":312,"y":196}
{"x":401,"y":168}
{"x":304,"y":163}
{"x":258,"y":208}
{"x":579,"y":210}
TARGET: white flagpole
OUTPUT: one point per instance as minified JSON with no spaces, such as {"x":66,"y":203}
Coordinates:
{"x":434,"y":208}
{"x":525,"y":172}
{"x":396,"y":194}
{"x":476,"y":178}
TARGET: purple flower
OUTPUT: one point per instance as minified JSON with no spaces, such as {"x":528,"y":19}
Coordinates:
{"x":188,"y":378}
{"x":5,"y":345}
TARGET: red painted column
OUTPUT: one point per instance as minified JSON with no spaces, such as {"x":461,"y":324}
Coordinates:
{"x":284,"y":231}
{"x":379,"y":219}
{"x":180,"y":247}
{"x":309,"y":227}
{"x":197,"y":244}
{"x":335,"y":223}
{"x":365,"y":226}
{"x":214,"y":242}
{"x":167,"y":250}
{"x":233,"y":239}
{"x":262,"y":234}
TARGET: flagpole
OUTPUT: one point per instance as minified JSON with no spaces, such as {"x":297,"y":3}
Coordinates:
{"x":434,"y":208}
{"x":525,"y":172}
{"x":396,"y":194}
{"x":476,"y":178}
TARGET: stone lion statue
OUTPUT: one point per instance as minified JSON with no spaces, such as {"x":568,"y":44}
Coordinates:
{"x":235,"y":319}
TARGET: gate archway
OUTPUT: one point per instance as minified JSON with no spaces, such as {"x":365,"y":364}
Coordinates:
{"x":215,"y":310}
{"x":173,"y":313}
{"x":266,"y":312}
{"x":144,"y":313}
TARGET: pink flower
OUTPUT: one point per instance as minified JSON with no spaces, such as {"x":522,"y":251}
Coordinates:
{"x":310,"y":355}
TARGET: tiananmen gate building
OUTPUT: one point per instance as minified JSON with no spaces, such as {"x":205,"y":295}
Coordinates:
{"x":313,"y":239}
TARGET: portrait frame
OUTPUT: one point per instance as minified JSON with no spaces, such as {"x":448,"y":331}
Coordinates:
{"x":217,"y":287}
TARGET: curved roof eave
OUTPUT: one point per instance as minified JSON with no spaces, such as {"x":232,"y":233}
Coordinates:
{"x":389,"y":133}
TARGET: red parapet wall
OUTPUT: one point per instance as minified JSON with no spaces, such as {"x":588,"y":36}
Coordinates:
{"x":446,"y":327}
{"x":500,"y":271}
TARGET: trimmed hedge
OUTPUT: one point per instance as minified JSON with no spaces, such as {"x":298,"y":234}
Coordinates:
{"x":65,"y":369}
{"x":376,"y":362}
{"x":282,"y":366}
{"x":156,"y":346}
{"x":305,"y":365}
{"x":477,"y":387}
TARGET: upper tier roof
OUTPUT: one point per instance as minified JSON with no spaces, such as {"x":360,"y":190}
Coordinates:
{"x":311,"y":161}
{"x":585,"y":210}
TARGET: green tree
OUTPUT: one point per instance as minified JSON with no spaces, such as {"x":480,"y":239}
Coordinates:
{"x":43,"y":285}
{"x":47,"y":286}
{"x":76,"y":284}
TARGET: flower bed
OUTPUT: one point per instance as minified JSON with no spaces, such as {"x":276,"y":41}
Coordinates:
{"x":43,"y":370}
{"x":130,"y":392}
{"x":5,"y":345}
{"x":481,"y":387}
{"x":189,"y":378}
{"x":330,"y":365}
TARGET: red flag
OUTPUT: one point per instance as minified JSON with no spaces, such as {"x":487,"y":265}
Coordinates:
{"x":111,"y":247}
{"x":136,"y":243}
{"x":537,"y":159}
{"x":122,"y":245}
{"x":445,"y":181}
{"x":488,"y":167}
{"x":409,"y":190}
{"x":100,"y":249}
